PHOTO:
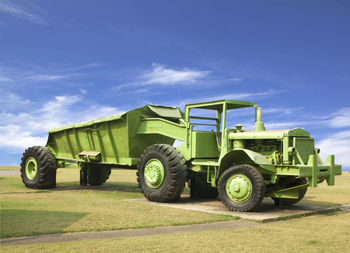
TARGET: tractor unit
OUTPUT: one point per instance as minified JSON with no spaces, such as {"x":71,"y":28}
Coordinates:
{"x":239,"y":166}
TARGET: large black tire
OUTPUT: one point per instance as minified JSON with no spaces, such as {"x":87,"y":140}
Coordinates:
{"x":199,"y":188}
{"x":41,"y":168}
{"x":250,"y":201}
{"x":97,"y":175}
{"x":175,"y":173}
{"x":289,"y":202}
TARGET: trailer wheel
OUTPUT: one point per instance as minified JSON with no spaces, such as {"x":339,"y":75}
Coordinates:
{"x":38,"y":168}
{"x":161,"y":173}
{"x":289,"y":202}
{"x":241,"y":188}
{"x":97,"y":176}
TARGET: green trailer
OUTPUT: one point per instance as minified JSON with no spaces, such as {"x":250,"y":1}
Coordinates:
{"x":239,"y":166}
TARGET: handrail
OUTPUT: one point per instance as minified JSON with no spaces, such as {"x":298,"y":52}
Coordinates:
{"x":205,"y":118}
{"x":196,"y":124}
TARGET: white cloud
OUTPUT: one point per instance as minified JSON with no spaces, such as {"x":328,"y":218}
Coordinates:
{"x":29,"y":74}
{"x":5,"y":79}
{"x":337,"y":144}
{"x":83,"y":91}
{"x":23,"y":129}
{"x":45,"y":77}
{"x":283,"y":125}
{"x":60,"y":103}
{"x":341,"y":118}
{"x":9,"y":100}
{"x":25,"y":12}
{"x":234,"y":79}
{"x":86,"y":66}
{"x":167,"y":76}
{"x":14,"y":137}
{"x":281,"y":110}
{"x":160,"y":75}
{"x":244,"y":95}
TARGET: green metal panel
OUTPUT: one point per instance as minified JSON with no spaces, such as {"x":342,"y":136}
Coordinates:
{"x":118,"y":138}
{"x":163,"y":127}
{"x":304,"y":147}
{"x":285,"y":151}
{"x":332,"y":170}
{"x":204,"y":145}
{"x":288,"y":193}
{"x":268,"y":134}
{"x":166,"y":111}
{"x":206,"y":162}
{"x":246,"y":156}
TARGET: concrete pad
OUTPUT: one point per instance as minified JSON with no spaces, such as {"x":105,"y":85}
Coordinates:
{"x":267,"y":212}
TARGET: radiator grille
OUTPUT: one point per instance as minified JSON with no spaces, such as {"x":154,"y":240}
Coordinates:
{"x":305,"y":147}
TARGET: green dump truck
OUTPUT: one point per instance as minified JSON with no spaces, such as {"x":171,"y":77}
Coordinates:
{"x":239,"y":166}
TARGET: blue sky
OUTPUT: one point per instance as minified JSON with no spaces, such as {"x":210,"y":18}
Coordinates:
{"x":68,"y":61}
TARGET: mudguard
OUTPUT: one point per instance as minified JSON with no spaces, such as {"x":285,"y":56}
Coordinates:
{"x":244,"y":156}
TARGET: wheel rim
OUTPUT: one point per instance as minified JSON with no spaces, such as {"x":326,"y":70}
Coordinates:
{"x":239,"y":188}
{"x":31,"y":168}
{"x":154,"y":173}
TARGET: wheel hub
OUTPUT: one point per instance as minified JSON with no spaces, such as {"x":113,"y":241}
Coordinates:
{"x":154,"y":173}
{"x":238,"y":188}
{"x":31,"y":168}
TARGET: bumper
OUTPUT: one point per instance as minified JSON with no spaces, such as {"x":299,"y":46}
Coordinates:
{"x":323,"y":171}
{"x":314,"y":171}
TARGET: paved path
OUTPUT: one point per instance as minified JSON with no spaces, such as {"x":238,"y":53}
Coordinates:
{"x":78,"y":236}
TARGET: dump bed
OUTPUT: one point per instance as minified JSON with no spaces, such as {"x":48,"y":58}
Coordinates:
{"x":114,"y":139}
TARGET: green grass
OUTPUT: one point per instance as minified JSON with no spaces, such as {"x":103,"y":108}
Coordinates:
{"x":325,"y":195}
{"x":9,"y":168}
{"x":323,"y":233}
{"x":70,"y":208}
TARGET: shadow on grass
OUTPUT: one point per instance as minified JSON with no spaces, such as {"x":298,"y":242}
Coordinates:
{"x":122,"y":187}
{"x":20,"y":222}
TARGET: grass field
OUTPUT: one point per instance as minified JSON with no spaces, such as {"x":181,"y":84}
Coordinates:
{"x":70,"y":208}
{"x":323,"y":233}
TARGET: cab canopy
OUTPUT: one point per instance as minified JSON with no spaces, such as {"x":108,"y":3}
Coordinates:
{"x":218,"y":105}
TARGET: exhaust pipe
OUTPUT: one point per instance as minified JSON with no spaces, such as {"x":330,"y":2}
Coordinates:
{"x":259,"y":125}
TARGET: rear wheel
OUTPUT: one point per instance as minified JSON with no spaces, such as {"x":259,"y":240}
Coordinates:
{"x":241,"y":188}
{"x":97,"y":175}
{"x":200,"y":188}
{"x":38,"y":168}
{"x":161,"y":173}
{"x":289,"y":202}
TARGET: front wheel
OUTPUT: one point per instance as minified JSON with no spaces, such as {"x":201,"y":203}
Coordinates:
{"x":241,"y":188}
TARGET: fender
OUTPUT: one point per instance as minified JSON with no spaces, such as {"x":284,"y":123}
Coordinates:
{"x":245,"y":156}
